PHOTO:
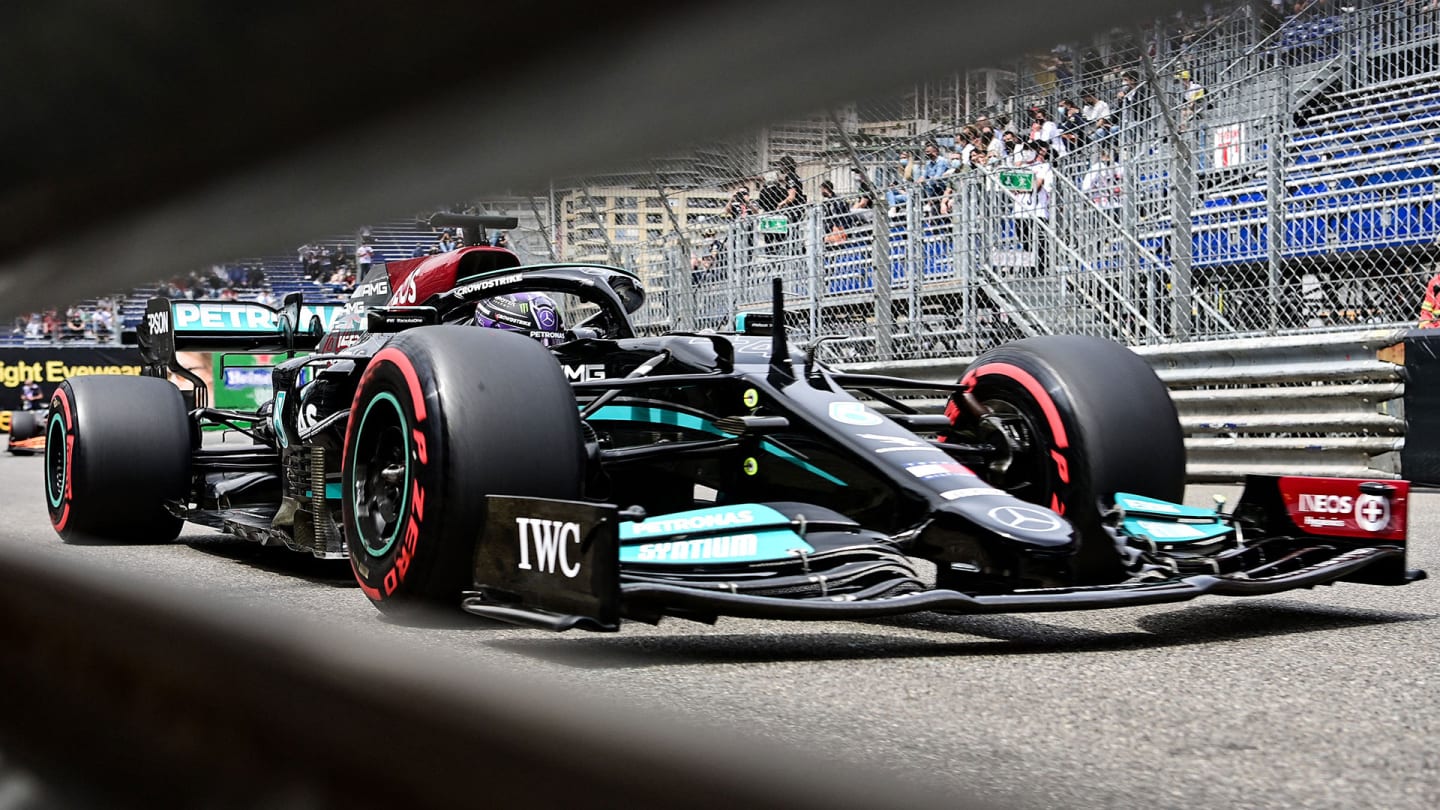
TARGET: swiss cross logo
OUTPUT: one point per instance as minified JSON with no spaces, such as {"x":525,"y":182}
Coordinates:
{"x":1372,"y":513}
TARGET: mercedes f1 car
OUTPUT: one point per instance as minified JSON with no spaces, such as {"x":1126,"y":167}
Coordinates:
{"x":576,"y":475}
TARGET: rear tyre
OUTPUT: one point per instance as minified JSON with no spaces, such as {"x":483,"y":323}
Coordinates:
{"x":444,"y":416}
{"x":117,"y":450}
{"x":24,"y":425}
{"x":1097,"y":421}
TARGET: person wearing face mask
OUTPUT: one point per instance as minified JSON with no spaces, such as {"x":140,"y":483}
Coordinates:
{"x":1032,"y":208}
{"x":1010,"y":148}
{"x":1043,"y":129}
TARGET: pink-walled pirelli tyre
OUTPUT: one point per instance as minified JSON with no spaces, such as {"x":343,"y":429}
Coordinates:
{"x":444,"y":416}
{"x":1100,"y":422}
{"x":117,"y":448}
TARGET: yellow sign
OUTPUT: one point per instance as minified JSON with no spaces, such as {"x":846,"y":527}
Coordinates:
{"x":4,"y":421}
{"x":13,"y":375}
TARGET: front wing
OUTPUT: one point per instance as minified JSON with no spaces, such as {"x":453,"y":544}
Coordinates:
{"x":555,"y":564}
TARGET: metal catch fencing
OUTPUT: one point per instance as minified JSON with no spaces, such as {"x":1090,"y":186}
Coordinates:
{"x":1264,"y":176}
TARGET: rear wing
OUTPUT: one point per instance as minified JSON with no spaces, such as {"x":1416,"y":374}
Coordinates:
{"x":227,"y":326}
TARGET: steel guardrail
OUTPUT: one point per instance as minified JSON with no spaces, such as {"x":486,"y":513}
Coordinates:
{"x":1317,"y":404}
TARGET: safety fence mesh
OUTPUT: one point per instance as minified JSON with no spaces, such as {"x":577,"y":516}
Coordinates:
{"x":1241,"y":173}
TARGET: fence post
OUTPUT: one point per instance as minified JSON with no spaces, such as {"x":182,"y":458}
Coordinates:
{"x":1275,"y":196}
{"x":731,"y":271}
{"x":914,"y":264}
{"x":884,"y":313}
{"x":1135,"y":283}
{"x":816,"y":225}
{"x":962,"y":260}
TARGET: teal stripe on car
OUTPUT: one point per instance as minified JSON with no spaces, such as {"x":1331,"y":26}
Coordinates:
{"x":725,"y":548}
{"x":672,"y":418}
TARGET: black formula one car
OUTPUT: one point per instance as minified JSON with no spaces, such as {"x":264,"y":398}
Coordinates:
{"x":576,"y":475}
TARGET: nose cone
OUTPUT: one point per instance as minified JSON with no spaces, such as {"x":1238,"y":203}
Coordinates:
{"x":991,"y":524}
{"x":1027,"y":524}
{"x":989,"y":536}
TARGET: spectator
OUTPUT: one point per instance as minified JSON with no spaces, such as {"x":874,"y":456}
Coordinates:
{"x":932,"y":173}
{"x":446,"y":243}
{"x":1072,"y":126}
{"x":702,"y":268}
{"x":1103,"y":181}
{"x":1430,"y":306}
{"x":1192,"y":92}
{"x":909,"y":167}
{"x":342,"y":281}
{"x":1095,"y":107}
{"x":967,"y":140}
{"x":862,"y":213}
{"x":74,"y":324}
{"x":102,"y":323}
{"x":866,"y":187}
{"x":994,"y":146}
{"x":770,"y":198}
{"x":739,"y":205}
{"x":1043,"y":129}
{"x":835,"y":215}
{"x":1035,"y":204}
{"x":364,"y":257}
{"x":1131,"y":99}
{"x":715,"y":249}
{"x":793,"y":188}
{"x":896,"y":198}
{"x":32,"y":398}
{"x":1010,"y":145}
{"x":771,"y":194}
{"x":1104,"y":128}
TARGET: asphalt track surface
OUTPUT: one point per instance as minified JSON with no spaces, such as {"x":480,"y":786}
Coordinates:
{"x":1310,"y":699}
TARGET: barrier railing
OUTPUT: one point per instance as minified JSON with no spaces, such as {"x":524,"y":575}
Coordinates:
{"x":1326,"y":404}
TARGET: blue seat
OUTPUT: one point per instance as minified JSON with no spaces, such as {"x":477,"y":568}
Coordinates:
{"x":1304,"y":236}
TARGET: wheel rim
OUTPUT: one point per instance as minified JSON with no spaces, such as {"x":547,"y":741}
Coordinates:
{"x":380,"y":475}
{"x":57,"y":461}
{"x":1028,"y":476}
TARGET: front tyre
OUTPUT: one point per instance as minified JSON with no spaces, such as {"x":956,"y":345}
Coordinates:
{"x":444,"y":416}
{"x":117,"y":453}
{"x":1093,"y":420}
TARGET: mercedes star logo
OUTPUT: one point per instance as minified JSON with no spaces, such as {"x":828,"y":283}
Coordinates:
{"x":1026,"y":519}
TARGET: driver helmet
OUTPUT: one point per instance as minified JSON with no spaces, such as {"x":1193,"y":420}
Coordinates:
{"x":533,"y":314}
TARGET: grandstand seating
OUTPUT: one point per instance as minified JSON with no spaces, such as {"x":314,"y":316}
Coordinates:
{"x":1362,"y":177}
{"x":286,"y":274}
